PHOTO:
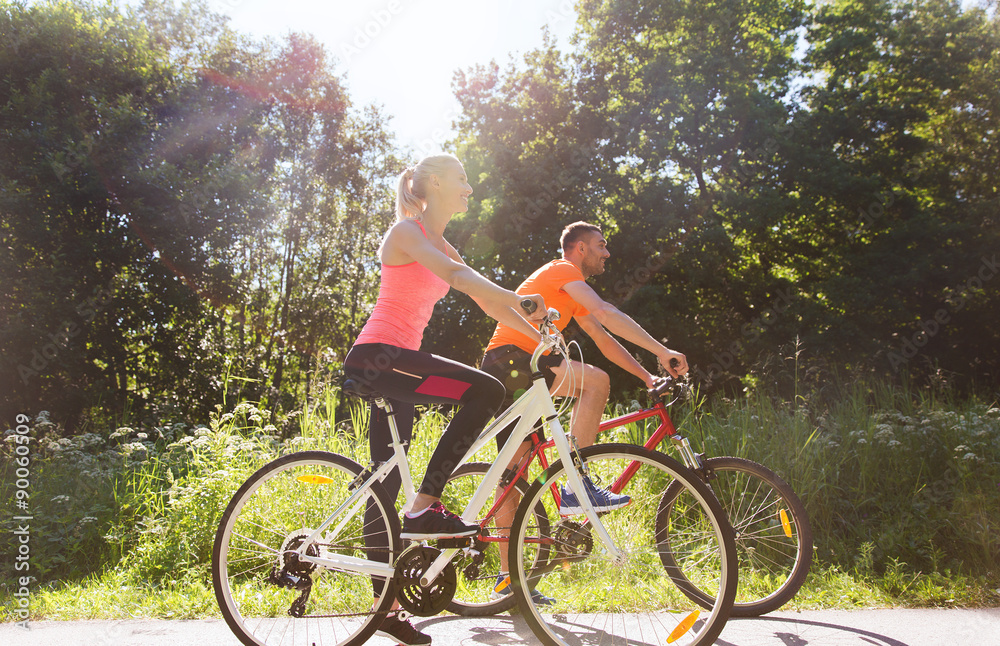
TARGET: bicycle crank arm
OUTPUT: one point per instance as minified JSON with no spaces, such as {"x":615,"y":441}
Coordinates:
{"x":437,"y":567}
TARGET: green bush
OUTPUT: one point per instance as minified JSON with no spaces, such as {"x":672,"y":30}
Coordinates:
{"x":212,"y":463}
{"x":890,"y":480}
{"x":71,"y":499}
{"x":903,"y":492}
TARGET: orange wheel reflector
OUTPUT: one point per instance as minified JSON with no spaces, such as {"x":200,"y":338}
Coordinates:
{"x":314,"y":479}
{"x":785,"y":523}
{"x":683,"y":627}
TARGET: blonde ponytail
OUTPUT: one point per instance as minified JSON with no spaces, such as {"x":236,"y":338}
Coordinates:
{"x":408,"y":205}
{"x":411,"y":191}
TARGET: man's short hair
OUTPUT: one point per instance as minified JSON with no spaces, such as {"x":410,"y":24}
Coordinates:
{"x":575,"y":232}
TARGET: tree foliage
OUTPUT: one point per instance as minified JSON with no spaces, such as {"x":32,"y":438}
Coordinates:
{"x":188,"y":215}
{"x":774,"y":176}
{"x":185,"y":211}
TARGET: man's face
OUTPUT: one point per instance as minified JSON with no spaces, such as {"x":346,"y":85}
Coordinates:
{"x":595,"y":253}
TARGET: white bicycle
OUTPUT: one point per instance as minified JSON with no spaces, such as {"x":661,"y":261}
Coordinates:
{"x":294,"y":561}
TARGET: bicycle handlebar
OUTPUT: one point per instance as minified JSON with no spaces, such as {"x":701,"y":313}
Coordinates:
{"x":665,"y":386}
{"x":551,"y":317}
{"x":550,"y":337}
{"x":669,"y":387}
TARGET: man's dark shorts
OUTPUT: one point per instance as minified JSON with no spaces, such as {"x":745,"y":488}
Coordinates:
{"x":511,"y":365}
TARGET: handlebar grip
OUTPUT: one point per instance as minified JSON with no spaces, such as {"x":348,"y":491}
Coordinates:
{"x":658,"y":391}
{"x":528,"y":305}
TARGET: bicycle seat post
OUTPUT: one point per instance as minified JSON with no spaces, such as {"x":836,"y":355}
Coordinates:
{"x":355,"y":387}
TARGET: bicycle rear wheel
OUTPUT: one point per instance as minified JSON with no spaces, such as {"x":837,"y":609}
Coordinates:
{"x":267,"y":595}
{"x":477,"y":573}
{"x":633,"y":599}
{"x":773,"y":536}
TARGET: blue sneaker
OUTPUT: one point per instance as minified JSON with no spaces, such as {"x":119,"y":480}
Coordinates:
{"x":602,"y":499}
{"x":502,"y":589}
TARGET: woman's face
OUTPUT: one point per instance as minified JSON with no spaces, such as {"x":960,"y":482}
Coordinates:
{"x":454,"y":188}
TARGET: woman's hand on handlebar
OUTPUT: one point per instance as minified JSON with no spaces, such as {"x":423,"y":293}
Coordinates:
{"x":534,"y":314}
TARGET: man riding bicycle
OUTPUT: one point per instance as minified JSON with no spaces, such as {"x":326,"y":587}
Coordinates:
{"x":561,"y":283}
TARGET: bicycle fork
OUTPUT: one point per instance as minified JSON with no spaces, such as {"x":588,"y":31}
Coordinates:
{"x":691,"y":459}
{"x":694,"y":461}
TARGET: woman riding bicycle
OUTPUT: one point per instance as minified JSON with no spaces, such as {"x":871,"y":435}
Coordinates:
{"x":418,"y":268}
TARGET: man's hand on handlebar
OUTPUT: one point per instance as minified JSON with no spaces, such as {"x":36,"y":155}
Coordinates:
{"x":674,"y":363}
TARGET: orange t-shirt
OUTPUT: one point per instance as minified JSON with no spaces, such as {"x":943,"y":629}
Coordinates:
{"x":547,"y":281}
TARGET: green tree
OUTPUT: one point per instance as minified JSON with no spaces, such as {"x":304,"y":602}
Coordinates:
{"x":521,"y":151}
{"x":653,"y":128}
{"x":114,"y":237}
{"x":763,"y":182}
{"x":309,"y":274}
{"x":188,"y":212}
{"x":903,"y":94}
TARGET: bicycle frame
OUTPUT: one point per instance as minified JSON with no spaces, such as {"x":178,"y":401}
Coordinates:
{"x":538,"y":450}
{"x":535,"y":405}
{"x":665,"y":429}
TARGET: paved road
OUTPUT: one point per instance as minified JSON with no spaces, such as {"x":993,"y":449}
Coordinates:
{"x":809,"y":628}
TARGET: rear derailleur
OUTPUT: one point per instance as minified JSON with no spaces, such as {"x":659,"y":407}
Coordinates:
{"x":293,"y":573}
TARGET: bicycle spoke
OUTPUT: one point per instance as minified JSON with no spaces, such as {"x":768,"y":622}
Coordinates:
{"x":597,"y":599}
{"x":269,"y":595}
{"x":773,"y":564}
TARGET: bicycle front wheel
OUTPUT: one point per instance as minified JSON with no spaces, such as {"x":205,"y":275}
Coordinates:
{"x":583,"y":595}
{"x":270,"y":597}
{"x":773,"y":536}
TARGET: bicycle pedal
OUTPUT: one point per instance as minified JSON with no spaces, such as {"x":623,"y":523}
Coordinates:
{"x":454,"y":543}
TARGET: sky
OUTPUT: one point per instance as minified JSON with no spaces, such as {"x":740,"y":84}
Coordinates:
{"x":402,"y":54}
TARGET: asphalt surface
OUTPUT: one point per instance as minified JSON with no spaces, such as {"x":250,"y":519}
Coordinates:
{"x":892,"y":627}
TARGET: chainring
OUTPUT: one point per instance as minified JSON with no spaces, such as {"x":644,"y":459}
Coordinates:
{"x":413,"y":597}
{"x":573,"y":541}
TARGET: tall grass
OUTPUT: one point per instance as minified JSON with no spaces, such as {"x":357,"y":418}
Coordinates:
{"x":885,"y":477}
{"x":902,"y":489}
{"x":897,"y":484}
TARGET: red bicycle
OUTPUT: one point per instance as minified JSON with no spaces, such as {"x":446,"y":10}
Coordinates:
{"x":773,"y":537}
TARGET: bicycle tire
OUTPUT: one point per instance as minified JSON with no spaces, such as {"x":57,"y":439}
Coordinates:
{"x":473,"y":595}
{"x":279,"y":504}
{"x":774,"y":553}
{"x":599,"y":600}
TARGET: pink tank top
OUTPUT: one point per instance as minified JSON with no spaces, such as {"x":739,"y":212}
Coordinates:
{"x":406,"y":297}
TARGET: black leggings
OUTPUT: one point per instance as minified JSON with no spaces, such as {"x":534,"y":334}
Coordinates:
{"x":407,"y":377}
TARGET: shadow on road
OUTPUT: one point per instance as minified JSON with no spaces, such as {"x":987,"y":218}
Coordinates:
{"x":803,"y":632}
